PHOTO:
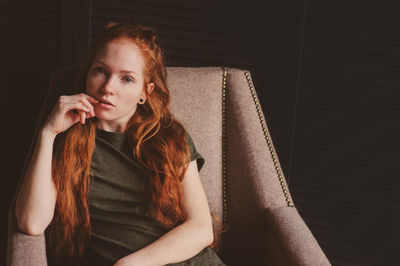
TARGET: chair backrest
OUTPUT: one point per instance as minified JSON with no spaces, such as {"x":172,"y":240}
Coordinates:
{"x":241,"y":176}
{"x":196,"y":95}
{"x":236,"y":136}
{"x":220,"y":109}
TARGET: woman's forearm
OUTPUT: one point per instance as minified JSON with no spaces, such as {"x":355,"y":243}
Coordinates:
{"x":179,"y":244}
{"x":36,"y":199}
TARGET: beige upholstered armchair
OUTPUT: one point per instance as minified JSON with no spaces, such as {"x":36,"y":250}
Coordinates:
{"x":242,"y":176}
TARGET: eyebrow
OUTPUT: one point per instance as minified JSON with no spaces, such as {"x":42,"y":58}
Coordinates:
{"x":129,"y":72}
{"x":122,"y":71}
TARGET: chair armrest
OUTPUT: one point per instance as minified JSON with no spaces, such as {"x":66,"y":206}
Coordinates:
{"x":23,"y":249}
{"x":294,"y":238}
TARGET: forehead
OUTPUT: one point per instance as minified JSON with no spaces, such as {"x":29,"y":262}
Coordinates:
{"x":120,"y":55}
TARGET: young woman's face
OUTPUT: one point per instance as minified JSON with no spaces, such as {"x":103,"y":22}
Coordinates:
{"x":116,"y":77}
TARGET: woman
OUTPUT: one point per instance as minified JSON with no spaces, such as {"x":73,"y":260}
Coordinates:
{"x":114,"y":179}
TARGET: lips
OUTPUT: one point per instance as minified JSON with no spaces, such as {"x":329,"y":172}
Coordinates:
{"x":105,"y":101}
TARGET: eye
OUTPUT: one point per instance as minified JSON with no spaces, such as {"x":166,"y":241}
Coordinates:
{"x":128,"y":79}
{"x":99,"y":70}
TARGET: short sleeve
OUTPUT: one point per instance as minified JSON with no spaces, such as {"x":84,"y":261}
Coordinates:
{"x":194,"y":154}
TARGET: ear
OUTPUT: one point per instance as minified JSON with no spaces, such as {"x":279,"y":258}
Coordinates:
{"x":150,"y":87}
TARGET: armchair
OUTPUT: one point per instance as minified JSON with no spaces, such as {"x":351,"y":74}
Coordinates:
{"x":242,"y":178}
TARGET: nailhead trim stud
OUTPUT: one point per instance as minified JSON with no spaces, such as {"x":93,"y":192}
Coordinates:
{"x":269,"y":143}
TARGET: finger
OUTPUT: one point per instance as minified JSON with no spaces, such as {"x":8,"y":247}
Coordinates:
{"x":82,"y":98}
{"x":90,"y":98}
{"x":88,"y":115}
{"x":86,"y":102}
{"x":83,"y":117}
{"x":77,"y":106}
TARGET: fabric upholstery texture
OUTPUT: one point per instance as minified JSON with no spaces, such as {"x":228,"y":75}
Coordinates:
{"x":24,"y":250}
{"x":294,"y":237}
{"x":263,"y":230}
{"x":201,"y":115}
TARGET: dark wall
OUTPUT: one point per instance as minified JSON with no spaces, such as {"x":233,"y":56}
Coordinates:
{"x":28,"y":54}
{"x":326,"y":73}
{"x":344,"y":172}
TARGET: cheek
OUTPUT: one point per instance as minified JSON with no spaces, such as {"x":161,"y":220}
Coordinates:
{"x":91,"y":84}
{"x":88,"y":83}
{"x":130,"y":99}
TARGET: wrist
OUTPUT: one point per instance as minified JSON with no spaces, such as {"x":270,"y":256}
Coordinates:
{"x":134,"y":259}
{"x":127,"y":262}
{"x":47,"y":134}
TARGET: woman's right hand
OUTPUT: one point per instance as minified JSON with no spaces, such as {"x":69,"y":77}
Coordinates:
{"x":69,"y":110}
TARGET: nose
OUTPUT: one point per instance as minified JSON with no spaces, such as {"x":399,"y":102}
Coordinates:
{"x":109,"y":86}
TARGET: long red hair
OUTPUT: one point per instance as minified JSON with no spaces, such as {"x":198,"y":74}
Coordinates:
{"x":160,"y":146}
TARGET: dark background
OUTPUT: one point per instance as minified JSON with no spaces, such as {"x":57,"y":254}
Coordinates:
{"x":326,"y":73}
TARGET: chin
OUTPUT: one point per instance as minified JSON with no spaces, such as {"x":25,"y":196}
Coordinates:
{"x":100,"y":116}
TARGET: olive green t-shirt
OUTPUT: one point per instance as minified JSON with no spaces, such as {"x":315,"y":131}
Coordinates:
{"x":118,"y":206}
